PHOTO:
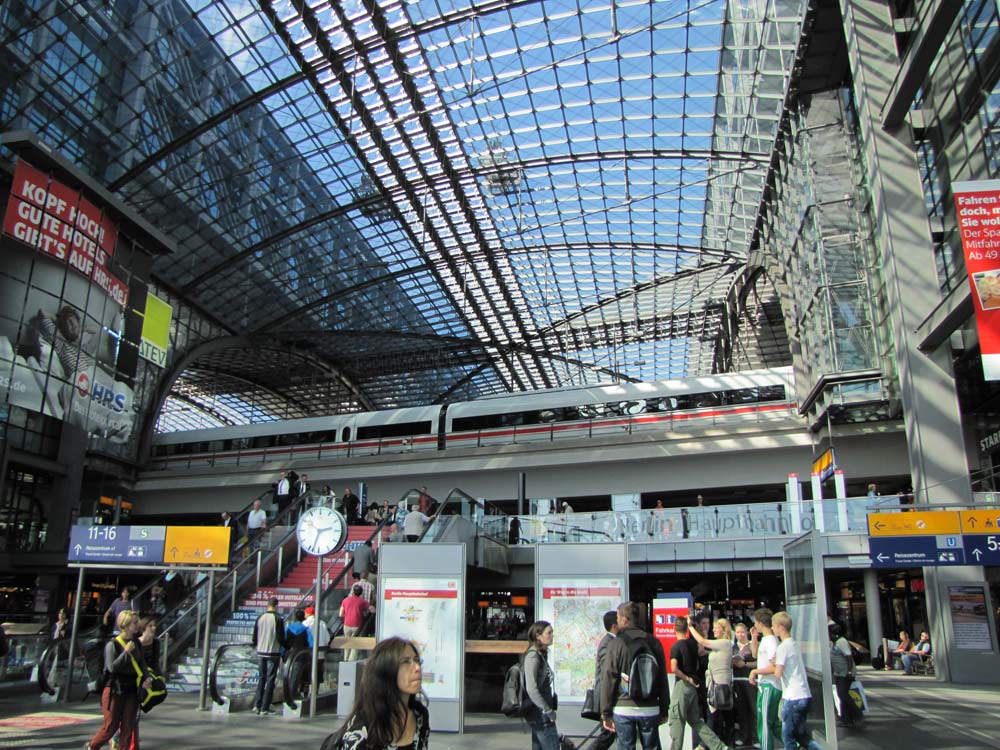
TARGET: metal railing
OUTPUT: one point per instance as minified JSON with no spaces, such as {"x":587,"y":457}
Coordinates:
{"x":24,"y":653}
{"x":256,"y":562}
{"x":738,"y":521}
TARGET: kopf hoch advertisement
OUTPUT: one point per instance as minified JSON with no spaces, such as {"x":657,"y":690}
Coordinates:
{"x":62,"y":308}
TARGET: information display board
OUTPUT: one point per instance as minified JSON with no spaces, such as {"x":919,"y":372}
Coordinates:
{"x":970,"y":623}
{"x":576,"y":607}
{"x":125,"y":544}
{"x":149,"y":545}
{"x":427,"y":611}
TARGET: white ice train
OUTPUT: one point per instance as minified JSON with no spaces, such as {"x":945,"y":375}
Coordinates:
{"x":547,"y":415}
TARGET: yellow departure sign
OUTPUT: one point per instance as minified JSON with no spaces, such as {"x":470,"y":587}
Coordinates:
{"x":198,"y":545}
{"x":914,"y":523}
{"x":980,"y":521}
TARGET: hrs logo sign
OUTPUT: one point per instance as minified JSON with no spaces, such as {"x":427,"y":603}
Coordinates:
{"x":100,"y":393}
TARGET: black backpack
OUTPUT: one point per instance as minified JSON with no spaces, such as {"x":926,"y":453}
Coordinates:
{"x":515,"y":700}
{"x":4,"y":643}
{"x":642,"y":680}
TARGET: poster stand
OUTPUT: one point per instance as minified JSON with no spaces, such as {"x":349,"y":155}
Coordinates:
{"x":428,"y":608}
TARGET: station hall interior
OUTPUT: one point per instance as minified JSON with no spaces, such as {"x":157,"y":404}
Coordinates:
{"x":683,"y":282}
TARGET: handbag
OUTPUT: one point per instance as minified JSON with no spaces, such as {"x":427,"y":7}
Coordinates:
{"x":589,"y":708}
{"x":720,"y":696}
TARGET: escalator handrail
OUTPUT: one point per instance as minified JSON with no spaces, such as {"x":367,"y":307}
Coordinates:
{"x":454,"y":496}
{"x":43,"y":682}
{"x":286,"y":671}
{"x":213,"y":685}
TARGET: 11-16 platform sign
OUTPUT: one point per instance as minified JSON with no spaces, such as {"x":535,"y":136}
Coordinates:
{"x":977,"y":206}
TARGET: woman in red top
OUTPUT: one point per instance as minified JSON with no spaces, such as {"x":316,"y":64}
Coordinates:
{"x":352,"y":611}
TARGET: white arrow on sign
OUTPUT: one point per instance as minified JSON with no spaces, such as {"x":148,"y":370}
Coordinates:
{"x":977,"y":553}
{"x":78,"y":548}
{"x":882,"y":558}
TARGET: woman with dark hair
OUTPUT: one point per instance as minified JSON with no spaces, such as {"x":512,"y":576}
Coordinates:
{"x":389,"y":707}
{"x":538,"y":682}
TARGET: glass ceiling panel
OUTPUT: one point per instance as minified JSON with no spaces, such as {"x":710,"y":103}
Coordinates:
{"x":516,"y":184}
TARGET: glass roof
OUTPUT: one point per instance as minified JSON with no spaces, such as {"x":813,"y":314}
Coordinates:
{"x":442,"y":200}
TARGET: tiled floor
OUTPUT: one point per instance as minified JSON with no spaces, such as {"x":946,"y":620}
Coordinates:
{"x":916,"y":713}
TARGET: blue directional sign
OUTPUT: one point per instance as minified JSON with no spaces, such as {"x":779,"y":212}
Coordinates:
{"x":916,"y":551}
{"x":124,"y":544}
{"x":982,"y":549}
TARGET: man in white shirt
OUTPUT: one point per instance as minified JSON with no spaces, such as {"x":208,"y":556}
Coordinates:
{"x":414,"y":524}
{"x":795,"y":694}
{"x":763,"y":676}
{"x":283,"y":491}
{"x":256,"y":521}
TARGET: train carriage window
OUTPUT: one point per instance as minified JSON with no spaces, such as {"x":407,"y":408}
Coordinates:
{"x":772,"y":393}
{"x":702,"y":400}
{"x":398,"y":429}
{"x":480,"y":422}
{"x":547,"y":416}
{"x":742,"y":396}
{"x":345,"y":435}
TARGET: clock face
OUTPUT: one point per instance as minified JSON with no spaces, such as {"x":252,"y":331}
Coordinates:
{"x":321,"y":531}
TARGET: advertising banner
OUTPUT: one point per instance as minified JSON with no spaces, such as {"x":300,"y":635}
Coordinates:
{"x":156,"y":331}
{"x":60,"y":330}
{"x":666,"y":610}
{"x":576,"y":607}
{"x":970,"y":623}
{"x":64,"y":225}
{"x":977,"y":207}
{"x":428,"y":612}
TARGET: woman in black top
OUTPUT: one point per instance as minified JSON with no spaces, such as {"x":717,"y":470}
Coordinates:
{"x":389,"y":708}
{"x":124,"y":667}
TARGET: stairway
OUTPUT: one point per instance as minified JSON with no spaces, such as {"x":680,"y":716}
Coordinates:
{"x":238,"y":627}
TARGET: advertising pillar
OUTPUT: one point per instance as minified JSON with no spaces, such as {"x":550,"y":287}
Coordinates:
{"x":428,"y":608}
{"x":575,"y":585}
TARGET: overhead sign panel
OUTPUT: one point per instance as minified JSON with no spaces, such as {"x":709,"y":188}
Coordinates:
{"x":982,"y":549}
{"x":149,"y":545}
{"x":916,"y":551}
{"x":198,"y":545}
{"x":124,"y":544}
{"x":980,"y":521}
{"x":914,"y":523}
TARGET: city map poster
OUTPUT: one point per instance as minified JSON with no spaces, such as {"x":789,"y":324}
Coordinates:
{"x":427,"y":611}
{"x":576,"y":607}
{"x":666,"y":610}
{"x":977,"y":207}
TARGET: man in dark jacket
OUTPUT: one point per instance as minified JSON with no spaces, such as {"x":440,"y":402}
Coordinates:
{"x":268,"y":639}
{"x":633,"y":717}
{"x":605,"y":738}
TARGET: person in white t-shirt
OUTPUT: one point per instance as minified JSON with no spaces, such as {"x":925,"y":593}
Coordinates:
{"x":256,"y":521}
{"x":795,"y":694}
{"x":414,"y":524}
{"x":764,"y":651}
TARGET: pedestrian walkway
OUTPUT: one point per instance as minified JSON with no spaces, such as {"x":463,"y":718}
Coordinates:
{"x":916,"y":713}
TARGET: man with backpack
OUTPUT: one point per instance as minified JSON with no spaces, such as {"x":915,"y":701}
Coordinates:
{"x":269,"y":639}
{"x":635,"y":697}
